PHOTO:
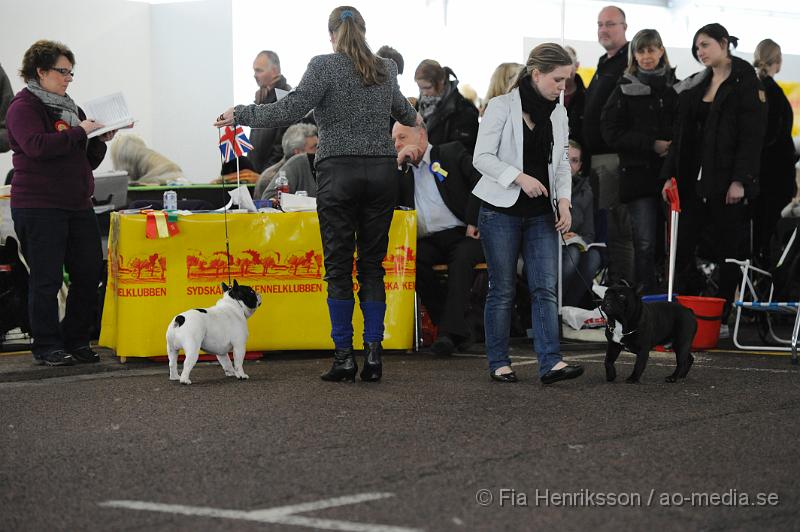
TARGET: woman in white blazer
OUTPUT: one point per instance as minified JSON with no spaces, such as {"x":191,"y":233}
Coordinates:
{"x":526,"y":188}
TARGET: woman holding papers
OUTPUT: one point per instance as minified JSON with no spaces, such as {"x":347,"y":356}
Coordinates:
{"x":51,"y":203}
{"x":353,"y":93}
{"x":526,"y":190}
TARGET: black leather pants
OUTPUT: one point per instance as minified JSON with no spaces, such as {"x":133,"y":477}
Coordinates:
{"x":356,"y":197}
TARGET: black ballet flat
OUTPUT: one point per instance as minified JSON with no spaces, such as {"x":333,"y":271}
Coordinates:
{"x":570,"y":371}
{"x":506,"y":377}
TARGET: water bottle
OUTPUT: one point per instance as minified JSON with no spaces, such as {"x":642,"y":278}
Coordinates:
{"x":281,"y":184}
{"x":170,"y":200}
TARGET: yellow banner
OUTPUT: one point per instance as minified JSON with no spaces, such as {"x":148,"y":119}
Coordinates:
{"x":792,"y":91}
{"x":278,"y":254}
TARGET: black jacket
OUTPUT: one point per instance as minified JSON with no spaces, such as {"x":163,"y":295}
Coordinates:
{"x":635,"y":116}
{"x":732,"y":136}
{"x":455,"y":119}
{"x":267,"y":149}
{"x":575,"y":107}
{"x":455,"y":189}
{"x":609,"y":70}
{"x":777,"y":157}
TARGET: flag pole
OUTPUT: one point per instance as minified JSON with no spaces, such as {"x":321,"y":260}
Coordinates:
{"x":225,"y":207}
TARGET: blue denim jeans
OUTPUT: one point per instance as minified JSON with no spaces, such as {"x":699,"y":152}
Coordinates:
{"x":643,"y":213}
{"x":503,"y":238}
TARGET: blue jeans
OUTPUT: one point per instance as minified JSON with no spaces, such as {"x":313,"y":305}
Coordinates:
{"x":643,"y":213}
{"x":503,"y":238}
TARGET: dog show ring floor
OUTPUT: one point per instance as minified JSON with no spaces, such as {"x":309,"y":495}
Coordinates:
{"x":436,"y":446}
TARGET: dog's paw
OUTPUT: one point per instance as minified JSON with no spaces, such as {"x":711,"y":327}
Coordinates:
{"x":632,"y":380}
{"x":242,"y":376}
{"x":185,"y":381}
{"x":174,"y":377}
{"x":671,"y":378}
{"x":611,"y":373}
{"x":230,"y":374}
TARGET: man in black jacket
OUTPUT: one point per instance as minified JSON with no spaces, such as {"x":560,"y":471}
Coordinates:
{"x":611,"y":28}
{"x":438,"y":182}
{"x":267,"y":142}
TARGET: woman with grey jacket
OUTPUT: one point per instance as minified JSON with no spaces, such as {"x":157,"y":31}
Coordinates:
{"x":353,"y":93}
{"x":522,"y":153}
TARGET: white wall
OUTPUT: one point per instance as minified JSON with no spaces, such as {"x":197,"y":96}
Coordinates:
{"x":110,"y":40}
{"x":192,"y":51}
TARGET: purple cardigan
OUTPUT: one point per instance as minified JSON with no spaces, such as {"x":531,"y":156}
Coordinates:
{"x":52,"y":169}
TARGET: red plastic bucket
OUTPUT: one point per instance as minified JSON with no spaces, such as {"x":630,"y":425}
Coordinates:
{"x":708,"y":311}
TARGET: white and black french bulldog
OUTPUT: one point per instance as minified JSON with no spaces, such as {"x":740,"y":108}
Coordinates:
{"x":644,"y":326}
{"x":218,"y":330}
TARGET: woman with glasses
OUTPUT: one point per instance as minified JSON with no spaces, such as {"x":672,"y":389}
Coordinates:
{"x":51,"y":203}
{"x":526,"y":191}
{"x":353,"y":93}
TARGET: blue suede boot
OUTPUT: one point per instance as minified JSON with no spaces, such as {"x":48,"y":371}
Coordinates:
{"x":344,"y":365}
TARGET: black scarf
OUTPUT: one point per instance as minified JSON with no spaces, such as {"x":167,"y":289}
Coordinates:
{"x":539,"y":109}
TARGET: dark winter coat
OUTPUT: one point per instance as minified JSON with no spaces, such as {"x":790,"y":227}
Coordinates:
{"x":455,"y":119}
{"x":732,"y":136}
{"x":609,"y":70}
{"x":267,"y":149}
{"x":635,"y":116}
{"x":575,"y":107}
{"x":777,"y":157}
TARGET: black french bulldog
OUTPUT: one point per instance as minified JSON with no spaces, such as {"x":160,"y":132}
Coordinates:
{"x":645,"y":325}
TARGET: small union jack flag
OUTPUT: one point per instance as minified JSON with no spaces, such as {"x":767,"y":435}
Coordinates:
{"x":234,"y":143}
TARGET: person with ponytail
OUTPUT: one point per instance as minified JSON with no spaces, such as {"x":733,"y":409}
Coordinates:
{"x":715,"y":156}
{"x":526,"y":190}
{"x":448,"y":116}
{"x":353,"y":93}
{"x":778,"y":156}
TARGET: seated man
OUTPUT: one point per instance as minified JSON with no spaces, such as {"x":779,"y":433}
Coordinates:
{"x":580,"y":262}
{"x":298,"y":138}
{"x":438,"y":182}
{"x":299,"y":170}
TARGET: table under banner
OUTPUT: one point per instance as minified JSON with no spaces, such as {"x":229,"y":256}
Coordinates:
{"x":150,"y":280}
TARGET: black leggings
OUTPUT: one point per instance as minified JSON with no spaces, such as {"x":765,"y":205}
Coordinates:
{"x":356,"y":197}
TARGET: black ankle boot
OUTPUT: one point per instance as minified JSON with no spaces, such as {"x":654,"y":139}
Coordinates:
{"x":344,"y":366}
{"x":373,"y":367}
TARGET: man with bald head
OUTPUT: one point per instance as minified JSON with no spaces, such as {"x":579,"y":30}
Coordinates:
{"x":438,"y":181}
{"x":267,"y":142}
{"x":611,"y":26}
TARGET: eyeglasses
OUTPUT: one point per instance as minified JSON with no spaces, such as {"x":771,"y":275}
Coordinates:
{"x":64,"y":71}
{"x":608,"y":25}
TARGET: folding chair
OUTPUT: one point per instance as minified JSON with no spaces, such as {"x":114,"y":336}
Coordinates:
{"x":749,"y":300}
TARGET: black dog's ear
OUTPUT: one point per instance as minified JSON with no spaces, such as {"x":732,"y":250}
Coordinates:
{"x":224,"y":287}
{"x":235,"y":284}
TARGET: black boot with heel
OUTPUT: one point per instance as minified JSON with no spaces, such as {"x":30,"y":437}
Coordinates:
{"x":344,"y":366}
{"x":373,"y":366}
